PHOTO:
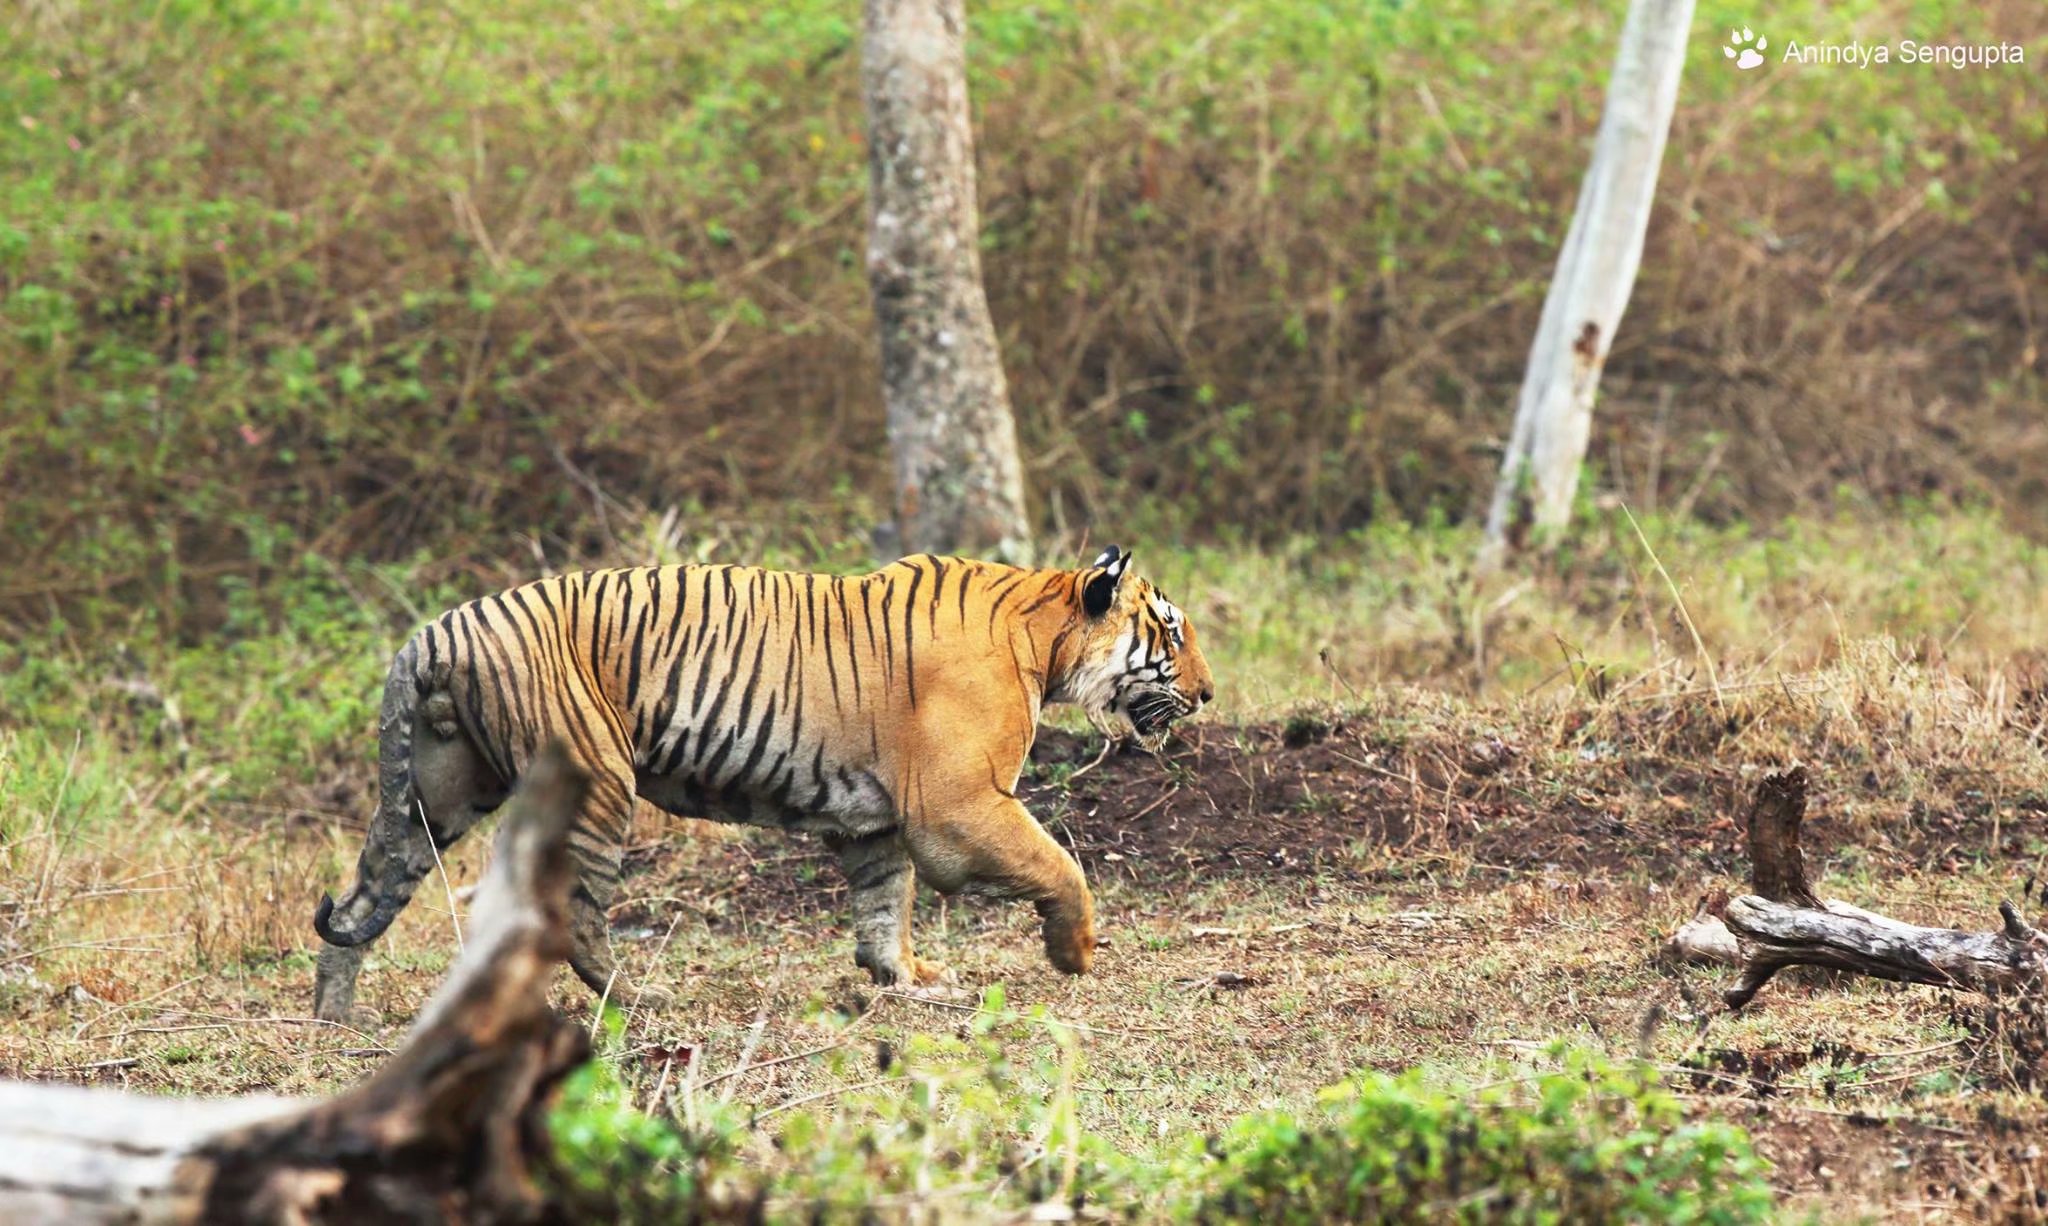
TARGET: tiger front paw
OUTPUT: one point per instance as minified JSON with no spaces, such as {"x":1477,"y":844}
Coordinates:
{"x":1069,"y":939}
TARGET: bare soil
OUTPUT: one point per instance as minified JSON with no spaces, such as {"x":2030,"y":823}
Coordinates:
{"x":1305,"y":822}
{"x":1333,"y":798}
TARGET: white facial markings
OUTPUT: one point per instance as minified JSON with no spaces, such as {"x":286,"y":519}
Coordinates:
{"x":1135,"y":670}
{"x":1172,"y":618}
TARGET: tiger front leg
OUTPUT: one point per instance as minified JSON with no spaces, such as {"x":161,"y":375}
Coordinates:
{"x":883,"y":884}
{"x":597,"y":842}
{"x":991,"y":844}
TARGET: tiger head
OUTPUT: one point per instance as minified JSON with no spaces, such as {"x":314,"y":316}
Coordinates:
{"x":1138,"y":663}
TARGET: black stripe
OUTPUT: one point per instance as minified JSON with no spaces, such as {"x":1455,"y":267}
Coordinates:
{"x":481,"y":641}
{"x":574,"y":722}
{"x":786,"y":784}
{"x":745,"y":774}
{"x":1049,"y":594}
{"x":832,"y":666}
{"x":1004,"y":590}
{"x":753,"y":681}
{"x":910,"y":632}
{"x":888,"y":634}
{"x":675,"y":575}
{"x":601,"y":627}
{"x":1052,"y":653}
{"x":548,"y":648}
{"x":524,"y":714}
{"x":874,"y":873}
{"x":796,"y":712}
{"x":939,"y":569}
{"x":634,"y":655}
{"x":821,"y":793}
{"x":704,"y":605}
{"x":708,"y":770}
{"x":852,"y":658}
{"x":711,"y":718}
{"x":811,"y":607}
{"x":672,"y":688}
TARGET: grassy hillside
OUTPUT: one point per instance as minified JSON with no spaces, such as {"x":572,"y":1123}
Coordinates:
{"x":368,"y":279}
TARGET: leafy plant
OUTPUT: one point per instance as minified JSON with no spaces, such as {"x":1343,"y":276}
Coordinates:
{"x":1593,"y":1141}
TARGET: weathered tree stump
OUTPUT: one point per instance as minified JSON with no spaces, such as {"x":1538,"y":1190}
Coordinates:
{"x":1782,"y":923}
{"x":449,"y":1131}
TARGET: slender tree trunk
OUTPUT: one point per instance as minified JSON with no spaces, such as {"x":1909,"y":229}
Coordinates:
{"x":1596,"y":270}
{"x":959,"y":487}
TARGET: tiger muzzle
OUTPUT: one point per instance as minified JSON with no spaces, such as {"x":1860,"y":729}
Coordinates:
{"x":1152,"y":709}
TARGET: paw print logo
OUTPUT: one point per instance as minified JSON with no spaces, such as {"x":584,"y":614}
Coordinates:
{"x":1745,"y":48}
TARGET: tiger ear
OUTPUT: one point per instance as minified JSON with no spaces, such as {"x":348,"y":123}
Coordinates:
{"x":1098,"y":595}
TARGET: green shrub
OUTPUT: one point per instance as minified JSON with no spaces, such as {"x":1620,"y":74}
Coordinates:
{"x":614,"y":1162}
{"x":1592,"y":1142}
{"x":959,"y":1128}
{"x":375,"y":278}
{"x":940,"y":1121}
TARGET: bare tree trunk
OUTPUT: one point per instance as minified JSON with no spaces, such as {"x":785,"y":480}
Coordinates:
{"x":449,"y":1130}
{"x":959,"y":487}
{"x":1596,"y":271}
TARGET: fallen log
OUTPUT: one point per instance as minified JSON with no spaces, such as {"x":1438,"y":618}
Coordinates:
{"x":1773,"y":936}
{"x":1782,"y":923}
{"x":449,"y":1130}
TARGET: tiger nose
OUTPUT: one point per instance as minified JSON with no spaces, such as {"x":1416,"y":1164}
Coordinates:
{"x":1208,"y":693}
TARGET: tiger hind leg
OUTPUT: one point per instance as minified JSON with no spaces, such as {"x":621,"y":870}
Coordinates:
{"x":334,"y":986}
{"x":883,"y":884}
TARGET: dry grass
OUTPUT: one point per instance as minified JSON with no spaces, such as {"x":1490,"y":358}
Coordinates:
{"x":1437,"y":825}
{"x":169,"y":951}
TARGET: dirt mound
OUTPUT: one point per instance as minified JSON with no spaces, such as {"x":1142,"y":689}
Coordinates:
{"x":1317,"y":795}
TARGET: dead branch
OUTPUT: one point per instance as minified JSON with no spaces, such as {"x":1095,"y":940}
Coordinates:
{"x":1773,"y":936}
{"x":1704,"y":938}
{"x":449,"y":1130}
{"x":1783,"y":923}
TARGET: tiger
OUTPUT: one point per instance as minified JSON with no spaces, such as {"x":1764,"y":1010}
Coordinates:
{"x":892,"y":713}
